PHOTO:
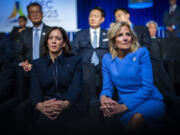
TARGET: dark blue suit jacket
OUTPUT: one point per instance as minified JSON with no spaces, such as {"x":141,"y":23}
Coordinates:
{"x":174,"y":19}
{"x":61,"y":80}
{"x":143,"y":35}
{"x":24,"y":48}
{"x":83,"y":47}
{"x":15,"y":34}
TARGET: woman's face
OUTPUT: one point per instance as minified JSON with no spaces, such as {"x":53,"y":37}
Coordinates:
{"x":123,"y":40}
{"x":55,"y":41}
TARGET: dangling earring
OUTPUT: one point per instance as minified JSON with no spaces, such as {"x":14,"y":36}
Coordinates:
{"x":115,"y":46}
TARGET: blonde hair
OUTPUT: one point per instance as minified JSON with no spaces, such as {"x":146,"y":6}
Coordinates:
{"x":114,"y":31}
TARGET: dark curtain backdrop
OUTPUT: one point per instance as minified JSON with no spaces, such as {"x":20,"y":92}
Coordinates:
{"x":137,"y":16}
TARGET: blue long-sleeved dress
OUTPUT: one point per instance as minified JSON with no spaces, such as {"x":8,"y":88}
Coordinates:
{"x":133,"y":78}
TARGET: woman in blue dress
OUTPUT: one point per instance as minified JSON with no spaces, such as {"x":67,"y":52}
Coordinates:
{"x":128,"y":68}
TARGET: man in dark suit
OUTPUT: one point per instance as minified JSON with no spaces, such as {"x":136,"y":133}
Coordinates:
{"x":28,"y":49}
{"x":144,"y":38}
{"x":171,"y":20}
{"x":31,"y":39}
{"x":92,"y":43}
{"x":15,"y":33}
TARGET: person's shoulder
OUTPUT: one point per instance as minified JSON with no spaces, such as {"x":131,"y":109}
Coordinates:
{"x":46,"y":26}
{"x":140,"y":27}
{"x":107,"y":57}
{"x":83,"y":31}
{"x":104,"y":30}
{"x":74,"y":58}
{"x":42,"y":61}
{"x":26,"y":31}
{"x":177,"y":9}
{"x":142,"y":51}
{"x":15,"y":28}
{"x":38,"y":61}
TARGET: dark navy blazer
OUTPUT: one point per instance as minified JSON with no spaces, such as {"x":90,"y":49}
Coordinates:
{"x":61,"y":80}
{"x":83,"y":47}
{"x":174,"y":19}
{"x":24,"y":48}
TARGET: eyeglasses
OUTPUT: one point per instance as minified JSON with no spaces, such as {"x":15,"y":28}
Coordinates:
{"x":34,"y":12}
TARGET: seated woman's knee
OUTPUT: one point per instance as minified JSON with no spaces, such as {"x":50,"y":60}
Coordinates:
{"x":138,"y":117}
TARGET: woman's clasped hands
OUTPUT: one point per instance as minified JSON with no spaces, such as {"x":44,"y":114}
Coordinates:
{"x":109,"y":107}
{"x":52,"y":108}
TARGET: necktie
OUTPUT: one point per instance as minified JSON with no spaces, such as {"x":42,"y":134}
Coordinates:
{"x":36,"y":45}
{"x":94,"y":58}
{"x":171,"y":11}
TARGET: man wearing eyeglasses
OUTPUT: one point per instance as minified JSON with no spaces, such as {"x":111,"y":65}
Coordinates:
{"x":31,"y":39}
{"x":28,"y":49}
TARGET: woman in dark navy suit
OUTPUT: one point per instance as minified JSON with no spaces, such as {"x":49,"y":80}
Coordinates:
{"x":56,"y":78}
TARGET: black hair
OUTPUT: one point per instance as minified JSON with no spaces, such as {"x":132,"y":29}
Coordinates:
{"x":34,"y":4}
{"x":122,"y":9}
{"x":66,"y":49}
{"x":23,"y":17}
{"x":100,"y":9}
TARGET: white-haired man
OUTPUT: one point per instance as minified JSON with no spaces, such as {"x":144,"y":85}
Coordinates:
{"x":152,"y":27}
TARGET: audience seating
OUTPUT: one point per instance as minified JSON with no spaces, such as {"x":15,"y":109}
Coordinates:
{"x":88,"y":111}
{"x":170,"y":48}
{"x":166,"y":71}
{"x":89,"y":90}
{"x":168,"y":83}
{"x":155,"y":49}
{"x":177,"y":76}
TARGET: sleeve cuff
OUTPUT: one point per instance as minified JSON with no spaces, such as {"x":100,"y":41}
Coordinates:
{"x":174,"y":27}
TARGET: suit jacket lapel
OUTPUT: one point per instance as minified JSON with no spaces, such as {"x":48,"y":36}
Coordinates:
{"x":30,"y":40}
{"x":89,"y":37}
{"x":43,"y":33}
{"x":103,"y":35}
{"x":100,"y":38}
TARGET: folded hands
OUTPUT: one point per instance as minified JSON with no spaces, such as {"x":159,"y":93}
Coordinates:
{"x":109,"y":107}
{"x":52,"y":108}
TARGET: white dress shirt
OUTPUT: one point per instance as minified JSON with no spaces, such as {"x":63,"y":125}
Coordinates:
{"x":172,"y":8}
{"x":97,"y":33}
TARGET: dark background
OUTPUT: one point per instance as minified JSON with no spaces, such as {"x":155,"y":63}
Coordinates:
{"x":137,"y":16}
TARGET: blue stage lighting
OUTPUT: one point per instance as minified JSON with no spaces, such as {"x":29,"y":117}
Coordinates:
{"x":139,"y":4}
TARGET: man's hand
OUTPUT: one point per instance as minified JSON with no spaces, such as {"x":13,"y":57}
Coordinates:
{"x":26,"y":66}
{"x":170,"y":28}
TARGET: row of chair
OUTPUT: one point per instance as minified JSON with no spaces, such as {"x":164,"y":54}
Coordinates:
{"x":167,"y":50}
{"x":166,"y":71}
{"x":165,"y":62}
